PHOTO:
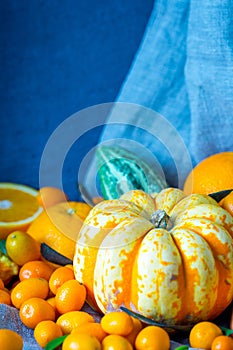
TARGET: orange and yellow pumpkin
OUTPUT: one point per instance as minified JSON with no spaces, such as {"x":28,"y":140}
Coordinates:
{"x":175,"y":268}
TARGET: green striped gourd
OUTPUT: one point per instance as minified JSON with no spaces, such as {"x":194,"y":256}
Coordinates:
{"x":120,"y":171}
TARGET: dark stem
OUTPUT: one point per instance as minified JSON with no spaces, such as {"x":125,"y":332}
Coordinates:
{"x":160,"y":219}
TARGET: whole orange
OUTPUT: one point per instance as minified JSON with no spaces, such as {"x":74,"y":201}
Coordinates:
{"x":73,"y":319}
{"x":81,"y":342}
{"x":35,"y":268}
{"x":21,"y":247}
{"x":212,"y":174}
{"x":117,"y":322}
{"x":153,"y":338}
{"x":70,"y":296}
{"x":10,"y":340}
{"x":222,"y":342}
{"x":60,"y":276}
{"x":116,"y":342}
{"x":29,"y":288}
{"x":35,"y":310}
{"x":59,"y":226}
{"x":45,"y":331}
{"x":203,"y":334}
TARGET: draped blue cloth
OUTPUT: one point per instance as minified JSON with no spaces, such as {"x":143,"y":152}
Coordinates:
{"x":184,"y":70}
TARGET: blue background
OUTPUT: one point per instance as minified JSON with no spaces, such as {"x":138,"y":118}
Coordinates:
{"x":58,"y":57}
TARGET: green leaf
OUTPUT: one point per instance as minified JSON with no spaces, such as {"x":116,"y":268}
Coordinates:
{"x":226,"y":331}
{"x":53,"y":344}
{"x":182,"y":347}
{"x":147,"y":320}
{"x":3,"y":246}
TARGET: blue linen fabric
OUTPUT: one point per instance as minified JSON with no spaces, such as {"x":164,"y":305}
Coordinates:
{"x":183,"y":70}
{"x":209,"y":76}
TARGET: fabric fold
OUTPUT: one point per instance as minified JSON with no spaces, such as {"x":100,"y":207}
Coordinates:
{"x":156,"y":80}
{"x":183,"y":70}
{"x":209,"y":77}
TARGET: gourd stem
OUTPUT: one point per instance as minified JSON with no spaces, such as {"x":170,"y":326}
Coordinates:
{"x":160,"y":219}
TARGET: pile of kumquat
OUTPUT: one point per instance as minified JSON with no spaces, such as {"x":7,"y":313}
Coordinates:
{"x":50,"y":301}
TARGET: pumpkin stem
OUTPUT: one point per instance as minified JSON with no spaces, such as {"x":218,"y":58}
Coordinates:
{"x":160,"y":219}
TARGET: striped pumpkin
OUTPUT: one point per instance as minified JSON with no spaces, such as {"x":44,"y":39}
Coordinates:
{"x":168,"y":257}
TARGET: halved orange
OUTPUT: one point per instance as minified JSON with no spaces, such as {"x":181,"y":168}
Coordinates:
{"x":18,"y":207}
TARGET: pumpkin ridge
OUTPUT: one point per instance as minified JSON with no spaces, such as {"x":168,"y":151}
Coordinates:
{"x":200,"y":284}
{"x":115,"y":289}
{"x":211,"y":212}
{"x":128,"y":277}
{"x":168,"y":198}
{"x":143,"y":201}
{"x":182,"y":313}
{"x":158,"y":276}
{"x":191,"y":201}
{"x":220,"y":245}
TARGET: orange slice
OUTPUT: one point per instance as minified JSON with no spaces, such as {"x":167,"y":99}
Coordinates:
{"x":18,"y":207}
